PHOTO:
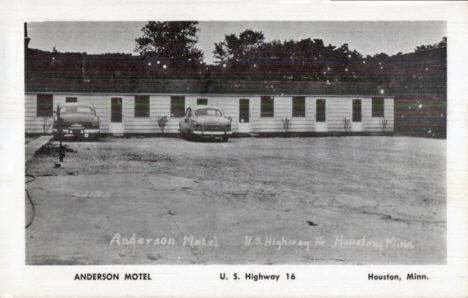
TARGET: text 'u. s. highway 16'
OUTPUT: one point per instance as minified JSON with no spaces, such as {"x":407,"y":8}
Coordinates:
{"x":256,"y":276}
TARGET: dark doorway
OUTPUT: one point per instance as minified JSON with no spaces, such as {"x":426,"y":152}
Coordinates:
{"x":320,"y":110}
{"x":357,"y":108}
{"x":116,"y":110}
{"x":244,"y":110}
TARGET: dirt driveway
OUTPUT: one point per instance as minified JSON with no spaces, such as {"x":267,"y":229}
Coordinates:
{"x":350,"y":200}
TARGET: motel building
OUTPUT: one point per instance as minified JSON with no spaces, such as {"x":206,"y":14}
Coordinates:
{"x":132,"y":105}
{"x":126,"y":113}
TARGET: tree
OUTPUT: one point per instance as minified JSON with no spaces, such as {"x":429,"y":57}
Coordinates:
{"x":441,"y":44}
{"x":239,"y":49}
{"x":170,"y":41}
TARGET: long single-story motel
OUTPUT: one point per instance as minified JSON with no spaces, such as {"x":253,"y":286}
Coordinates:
{"x":131,"y":103}
{"x":122,"y":113}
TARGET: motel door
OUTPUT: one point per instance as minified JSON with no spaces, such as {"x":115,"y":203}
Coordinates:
{"x":116,"y":116}
{"x":320,"y":115}
{"x":357,"y":115}
{"x":244,"y":116}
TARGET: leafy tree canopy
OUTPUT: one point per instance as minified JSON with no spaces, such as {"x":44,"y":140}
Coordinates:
{"x":236,"y":48}
{"x":441,"y":44}
{"x":171,"y":41}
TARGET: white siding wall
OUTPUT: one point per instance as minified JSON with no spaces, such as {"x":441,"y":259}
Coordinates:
{"x":161,"y":106}
{"x":134,"y":124}
{"x":32,"y":123}
{"x":390,"y":113}
{"x":282,"y":109}
{"x":372,"y":124}
{"x":310,"y":113}
{"x":337,"y":108}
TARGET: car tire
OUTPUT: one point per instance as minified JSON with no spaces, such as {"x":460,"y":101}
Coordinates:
{"x":225,"y":138}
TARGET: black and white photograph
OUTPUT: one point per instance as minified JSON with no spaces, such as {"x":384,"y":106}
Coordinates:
{"x":289,"y":148}
{"x":186,"y":142}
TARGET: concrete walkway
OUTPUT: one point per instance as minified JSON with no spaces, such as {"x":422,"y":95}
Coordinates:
{"x":35,"y":145}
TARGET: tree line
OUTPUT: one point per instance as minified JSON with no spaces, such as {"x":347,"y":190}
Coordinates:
{"x":169,"y":50}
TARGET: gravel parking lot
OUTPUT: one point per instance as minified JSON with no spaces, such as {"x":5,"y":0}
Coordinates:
{"x":348,"y":200}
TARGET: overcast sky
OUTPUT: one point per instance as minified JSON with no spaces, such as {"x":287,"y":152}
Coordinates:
{"x":368,"y":38}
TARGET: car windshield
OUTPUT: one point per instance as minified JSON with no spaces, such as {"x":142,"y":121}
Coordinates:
{"x":76,"y":110}
{"x":208,"y":112}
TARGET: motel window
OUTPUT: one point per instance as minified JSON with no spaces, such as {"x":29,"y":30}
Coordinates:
{"x":45,"y":105}
{"x":142,"y":106}
{"x":298,"y":106}
{"x":177,"y":106}
{"x":71,"y":99}
{"x":267,"y":106}
{"x":377,"y":107}
{"x":202,"y":101}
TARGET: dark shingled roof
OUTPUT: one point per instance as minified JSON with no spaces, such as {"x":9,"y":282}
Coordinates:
{"x":48,"y":72}
{"x":421,"y":74}
{"x":194,"y":86}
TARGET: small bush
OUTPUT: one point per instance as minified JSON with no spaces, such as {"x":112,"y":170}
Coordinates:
{"x":347,"y":124}
{"x":383,"y":124}
{"x":47,"y":124}
{"x":162,"y":121}
{"x":286,"y":124}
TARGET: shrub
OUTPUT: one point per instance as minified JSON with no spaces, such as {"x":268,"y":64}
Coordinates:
{"x":162,"y":121}
{"x":47,"y":124}
{"x":286,"y":124}
{"x":346,"y":123}
{"x":383,"y":124}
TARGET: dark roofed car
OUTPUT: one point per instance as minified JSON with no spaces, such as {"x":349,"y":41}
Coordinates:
{"x":78,"y":119}
{"x":205,"y":122}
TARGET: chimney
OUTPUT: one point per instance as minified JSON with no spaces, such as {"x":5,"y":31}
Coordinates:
{"x":26,"y":38}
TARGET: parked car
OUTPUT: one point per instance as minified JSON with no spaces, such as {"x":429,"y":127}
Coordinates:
{"x":77,"y":119}
{"x":205,"y":122}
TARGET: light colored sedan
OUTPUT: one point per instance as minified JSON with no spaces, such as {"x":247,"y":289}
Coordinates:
{"x":77,"y":119}
{"x":205,"y":121}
